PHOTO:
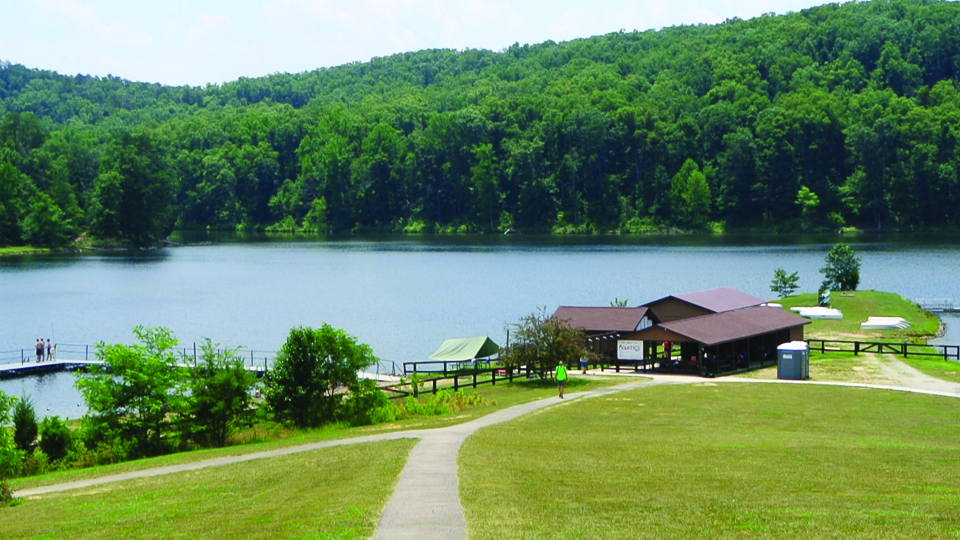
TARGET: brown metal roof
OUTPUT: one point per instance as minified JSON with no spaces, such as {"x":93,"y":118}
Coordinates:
{"x":717,"y":300}
{"x":733,"y":325}
{"x":602,"y":319}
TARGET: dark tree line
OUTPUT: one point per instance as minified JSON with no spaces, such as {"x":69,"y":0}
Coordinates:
{"x":841,"y":115}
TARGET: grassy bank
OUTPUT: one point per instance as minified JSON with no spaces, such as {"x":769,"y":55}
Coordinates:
{"x":332,"y":493}
{"x":719,"y":461}
{"x":265,"y":437}
{"x":857,"y":306}
{"x":22,"y":250}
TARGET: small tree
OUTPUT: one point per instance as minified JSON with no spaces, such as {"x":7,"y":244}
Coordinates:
{"x":132,"y":397}
{"x":784,"y":284}
{"x":842,"y":269}
{"x":543,"y":341}
{"x":313,"y":369}
{"x":808,"y":202}
{"x":24,"y":424}
{"x":219,"y":394}
{"x":617,"y":302}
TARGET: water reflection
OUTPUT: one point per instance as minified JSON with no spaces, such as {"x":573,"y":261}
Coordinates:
{"x":53,"y":394}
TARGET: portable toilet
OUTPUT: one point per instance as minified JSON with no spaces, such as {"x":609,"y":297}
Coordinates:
{"x":793,"y":361}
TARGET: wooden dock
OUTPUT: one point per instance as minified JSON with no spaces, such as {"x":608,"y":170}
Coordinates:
{"x":938,"y":305}
{"x":32,"y":367}
{"x":14,"y":370}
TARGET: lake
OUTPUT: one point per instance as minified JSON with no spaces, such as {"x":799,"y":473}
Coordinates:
{"x":404,"y":295}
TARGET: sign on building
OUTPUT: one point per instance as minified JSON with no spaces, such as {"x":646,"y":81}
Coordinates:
{"x":629,"y":350}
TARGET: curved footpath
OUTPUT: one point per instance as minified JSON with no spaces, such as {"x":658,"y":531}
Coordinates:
{"x":426,"y":501}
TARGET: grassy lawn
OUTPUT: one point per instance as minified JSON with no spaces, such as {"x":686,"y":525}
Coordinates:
{"x":332,"y":493}
{"x":856,"y":306}
{"x":500,"y":396}
{"x":831,"y":367}
{"x":21,"y":250}
{"x":720,"y":461}
{"x":864,"y":368}
{"x":935,"y":367}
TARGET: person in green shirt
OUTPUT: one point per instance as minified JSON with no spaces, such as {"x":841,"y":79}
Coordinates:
{"x":561,"y":376}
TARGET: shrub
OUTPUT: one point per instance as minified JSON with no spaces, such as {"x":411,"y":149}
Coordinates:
{"x":6,"y":495}
{"x":367,"y":405}
{"x":443,"y":402}
{"x":56,"y":439}
{"x":34,"y":464}
{"x":313,"y":366}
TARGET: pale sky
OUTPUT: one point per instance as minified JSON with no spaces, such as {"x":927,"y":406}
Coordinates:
{"x":198,"y":42}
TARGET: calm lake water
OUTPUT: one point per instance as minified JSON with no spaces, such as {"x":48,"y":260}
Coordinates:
{"x":404,"y":295}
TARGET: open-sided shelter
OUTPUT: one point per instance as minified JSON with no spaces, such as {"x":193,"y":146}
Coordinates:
{"x":709,"y":332}
{"x":721,"y":342}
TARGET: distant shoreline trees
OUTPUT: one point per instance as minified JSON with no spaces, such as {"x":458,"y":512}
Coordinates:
{"x":836,"y":116}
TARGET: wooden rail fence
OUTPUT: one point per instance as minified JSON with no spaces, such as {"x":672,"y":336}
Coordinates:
{"x":946,"y":352}
{"x":474,"y":377}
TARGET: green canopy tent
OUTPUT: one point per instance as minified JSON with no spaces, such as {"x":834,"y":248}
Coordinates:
{"x":465,"y":349}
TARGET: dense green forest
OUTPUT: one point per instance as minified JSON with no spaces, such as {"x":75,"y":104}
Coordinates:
{"x":840,"y":115}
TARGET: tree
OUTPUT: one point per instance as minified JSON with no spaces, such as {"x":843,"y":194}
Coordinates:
{"x":45,"y":223}
{"x":784,"y":284}
{"x":808,"y":202}
{"x":484,"y":183}
{"x":138,"y":187}
{"x":690,"y":195}
{"x":842,"y":269}
{"x":219,"y":394}
{"x":24,"y":424}
{"x":542,"y":341}
{"x":312,"y":369}
{"x":133,"y":397}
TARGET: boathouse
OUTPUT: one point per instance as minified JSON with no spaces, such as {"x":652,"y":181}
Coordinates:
{"x":710,"y":332}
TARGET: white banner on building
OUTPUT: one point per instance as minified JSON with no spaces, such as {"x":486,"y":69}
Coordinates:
{"x":629,"y":350}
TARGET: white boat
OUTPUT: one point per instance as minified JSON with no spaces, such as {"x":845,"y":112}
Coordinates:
{"x":818,"y":312}
{"x":885,"y":323}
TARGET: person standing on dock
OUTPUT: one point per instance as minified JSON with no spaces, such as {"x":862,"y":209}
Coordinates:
{"x":49,"y":351}
{"x":39,"y":345}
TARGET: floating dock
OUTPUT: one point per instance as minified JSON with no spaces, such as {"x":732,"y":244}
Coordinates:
{"x":12,"y":370}
{"x":938,"y":305}
{"x":32,"y":367}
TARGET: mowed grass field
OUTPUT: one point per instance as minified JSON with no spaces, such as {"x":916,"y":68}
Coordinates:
{"x":721,"y":460}
{"x":331,"y":493}
{"x":500,"y":396}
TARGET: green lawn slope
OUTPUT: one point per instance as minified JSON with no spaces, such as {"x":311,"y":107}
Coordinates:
{"x":332,"y":493}
{"x":720,"y":461}
{"x":857,"y":306}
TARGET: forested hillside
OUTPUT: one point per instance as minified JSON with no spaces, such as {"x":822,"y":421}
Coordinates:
{"x":841,"y":115}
